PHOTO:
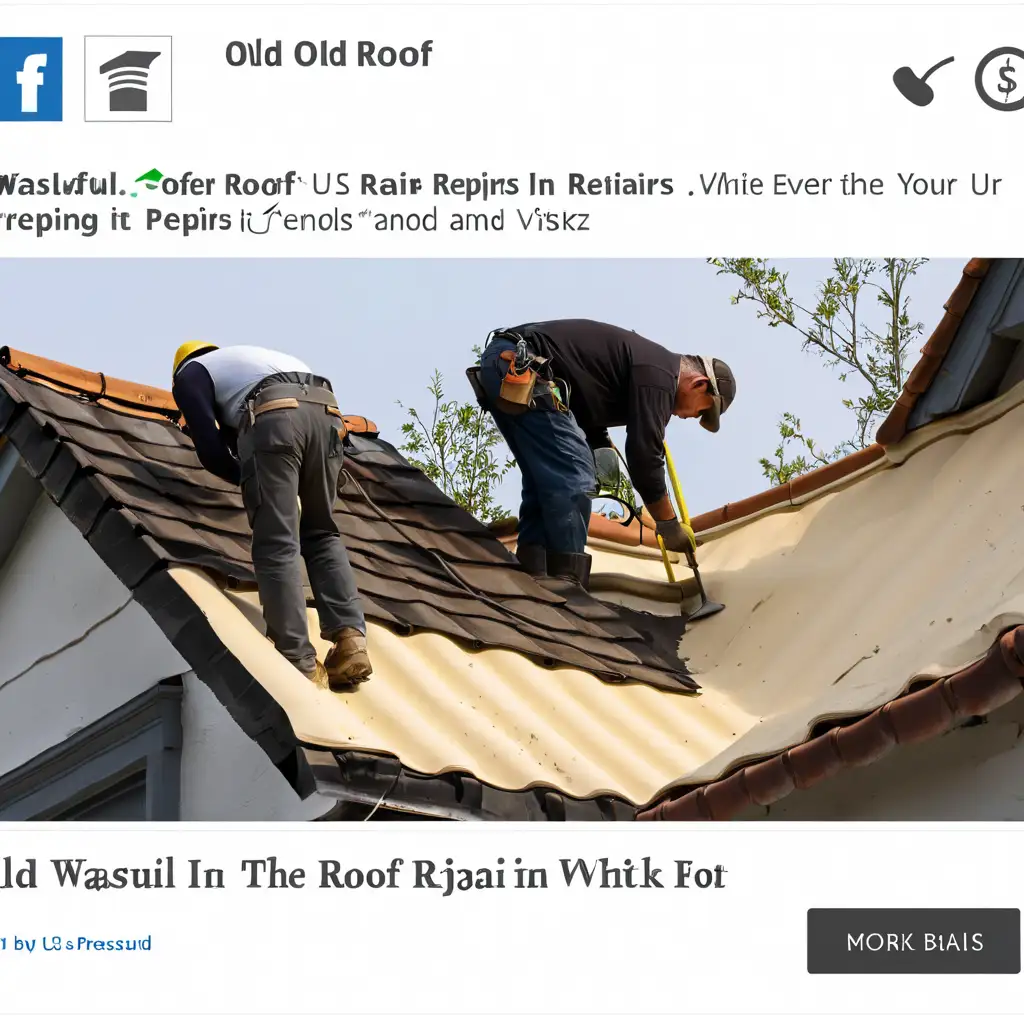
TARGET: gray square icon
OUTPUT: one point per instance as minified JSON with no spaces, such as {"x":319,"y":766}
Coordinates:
{"x":128,"y":78}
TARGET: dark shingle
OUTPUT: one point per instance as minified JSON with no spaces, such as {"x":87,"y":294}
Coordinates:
{"x":134,"y":484}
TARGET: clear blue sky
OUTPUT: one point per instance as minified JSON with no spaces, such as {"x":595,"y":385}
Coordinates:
{"x":378,"y":328}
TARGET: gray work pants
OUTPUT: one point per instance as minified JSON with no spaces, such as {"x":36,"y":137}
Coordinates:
{"x":290,"y":454}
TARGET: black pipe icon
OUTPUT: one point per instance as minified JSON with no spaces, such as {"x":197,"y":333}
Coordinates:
{"x":915,"y":89}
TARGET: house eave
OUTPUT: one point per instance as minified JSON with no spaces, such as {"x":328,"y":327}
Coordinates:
{"x":18,"y":495}
{"x":379,"y":781}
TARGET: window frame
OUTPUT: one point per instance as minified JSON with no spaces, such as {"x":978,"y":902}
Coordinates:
{"x":143,"y":735}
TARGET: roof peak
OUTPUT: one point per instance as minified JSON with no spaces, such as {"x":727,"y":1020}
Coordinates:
{"x":113,"y":393}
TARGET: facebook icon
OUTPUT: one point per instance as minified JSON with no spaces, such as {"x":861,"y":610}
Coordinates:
{"x":31,"y":79}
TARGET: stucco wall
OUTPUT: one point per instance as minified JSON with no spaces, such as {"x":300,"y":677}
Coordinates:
{"x":73,"y":645}
{"x":225,"y":776}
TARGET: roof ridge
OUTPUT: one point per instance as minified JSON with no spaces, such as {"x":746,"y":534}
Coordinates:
{"x":934,"y":351}
{"x":123,"y":396}
{"x":89,"y":384}
{"x":138,"y":399}
{"x":892,"y":430}
{"x":794,"y":492}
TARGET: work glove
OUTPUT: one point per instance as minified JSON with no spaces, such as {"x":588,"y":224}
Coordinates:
{"x":673,"y":535}
{"x":609,"y":473}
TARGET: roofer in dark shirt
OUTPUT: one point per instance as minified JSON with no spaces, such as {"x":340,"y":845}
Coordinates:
{"x":599,"y":376}
{"x":285,"y":425}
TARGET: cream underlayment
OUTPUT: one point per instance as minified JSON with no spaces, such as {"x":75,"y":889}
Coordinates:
{"x":832,"y":608}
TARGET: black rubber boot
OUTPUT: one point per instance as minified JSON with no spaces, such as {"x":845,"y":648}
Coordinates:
{"x":533,"y":558}
{"x":573,"y":568}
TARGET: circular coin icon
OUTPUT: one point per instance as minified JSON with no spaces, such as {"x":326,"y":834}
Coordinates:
{"x":1000,"y":78}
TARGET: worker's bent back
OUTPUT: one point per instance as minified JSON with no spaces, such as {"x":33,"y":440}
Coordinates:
{"x":235,"y":371}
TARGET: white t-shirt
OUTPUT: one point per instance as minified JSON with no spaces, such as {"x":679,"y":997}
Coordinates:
{"x":236,"y":370}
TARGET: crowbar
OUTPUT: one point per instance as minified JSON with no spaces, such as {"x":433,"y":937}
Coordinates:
{"x":706,"y":607}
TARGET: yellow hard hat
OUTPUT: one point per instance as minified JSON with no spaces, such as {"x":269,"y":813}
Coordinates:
{"x":190,"y":348}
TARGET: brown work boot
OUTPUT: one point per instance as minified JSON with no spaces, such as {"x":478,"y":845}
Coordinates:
{"x":571,"y":567}
{"x":533,"y":558}
{"x":318,"y":675}
{"x":347,"y":662}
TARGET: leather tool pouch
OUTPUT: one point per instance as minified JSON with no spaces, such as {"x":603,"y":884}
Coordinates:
{"x":514,"y":407}
{"x":517,"y":386}
{"x":526,"y":384}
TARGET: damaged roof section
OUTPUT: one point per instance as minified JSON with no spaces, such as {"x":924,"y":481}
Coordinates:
{"x":129,"y":479}
{"x":920,"y":715}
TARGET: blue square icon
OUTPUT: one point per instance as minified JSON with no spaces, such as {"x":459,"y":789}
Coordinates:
{"x":31,"y":78}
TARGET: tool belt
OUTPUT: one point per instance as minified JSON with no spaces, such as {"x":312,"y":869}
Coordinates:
{"x":528,"y":382}
{"x":274,"y":393}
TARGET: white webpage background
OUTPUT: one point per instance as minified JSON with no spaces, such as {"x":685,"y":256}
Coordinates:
{"x":566,"y":951}
{"x":668,"y":91}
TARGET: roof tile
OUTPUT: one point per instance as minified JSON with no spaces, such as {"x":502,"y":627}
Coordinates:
{"x":940,"y":340}
{"x":963,"y":294}
{"x":922,"y":375}
{"x":768,"y":781}
{"x":816,"y":760}
{"x":135,"y":487}
{"x":781,"y":495}
{"x":1011,"y":648}
{"x":894,"y":426}
{"x":709,"y":520}
{"x":800,"y":486}
{"x":865,"y":741}
{"x":94,"y":385}
{"x":726,"y":798}
{"x":112,"y":392}
{"x":921,"y":715}
{"x":979,"y":691}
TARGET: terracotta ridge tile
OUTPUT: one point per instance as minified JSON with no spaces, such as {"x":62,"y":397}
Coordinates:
{"x":602,"y":528}
{"x":836,"y":471}
{"x":360,"y":424}
{"x":95,"y":386}
{"x":781,"y":495}
{"x":894,"y":427}
{"x":114,"y":393}
{"x":921,"y":376}
{"x":956,"y":305}
{"x":993,"y":680}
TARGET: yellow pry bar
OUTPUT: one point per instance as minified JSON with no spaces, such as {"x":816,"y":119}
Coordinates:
{"x":667,"y":561}
{"x":684,"y":515}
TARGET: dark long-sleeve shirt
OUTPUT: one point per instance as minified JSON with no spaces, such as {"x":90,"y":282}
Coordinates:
{"x":616,"y":378}
{"x":194,"y":395}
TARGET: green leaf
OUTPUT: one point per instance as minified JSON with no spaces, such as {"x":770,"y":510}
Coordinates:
{"x":460,"y":449}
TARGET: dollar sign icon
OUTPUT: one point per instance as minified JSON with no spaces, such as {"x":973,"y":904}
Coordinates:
{"x":1008,"y":61}
{"x":1007,"y":85}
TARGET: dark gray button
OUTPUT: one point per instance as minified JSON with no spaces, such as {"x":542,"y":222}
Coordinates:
{"x":891,"y":941}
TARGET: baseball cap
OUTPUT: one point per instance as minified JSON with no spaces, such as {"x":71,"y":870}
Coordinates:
{"x":723,"y":390}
